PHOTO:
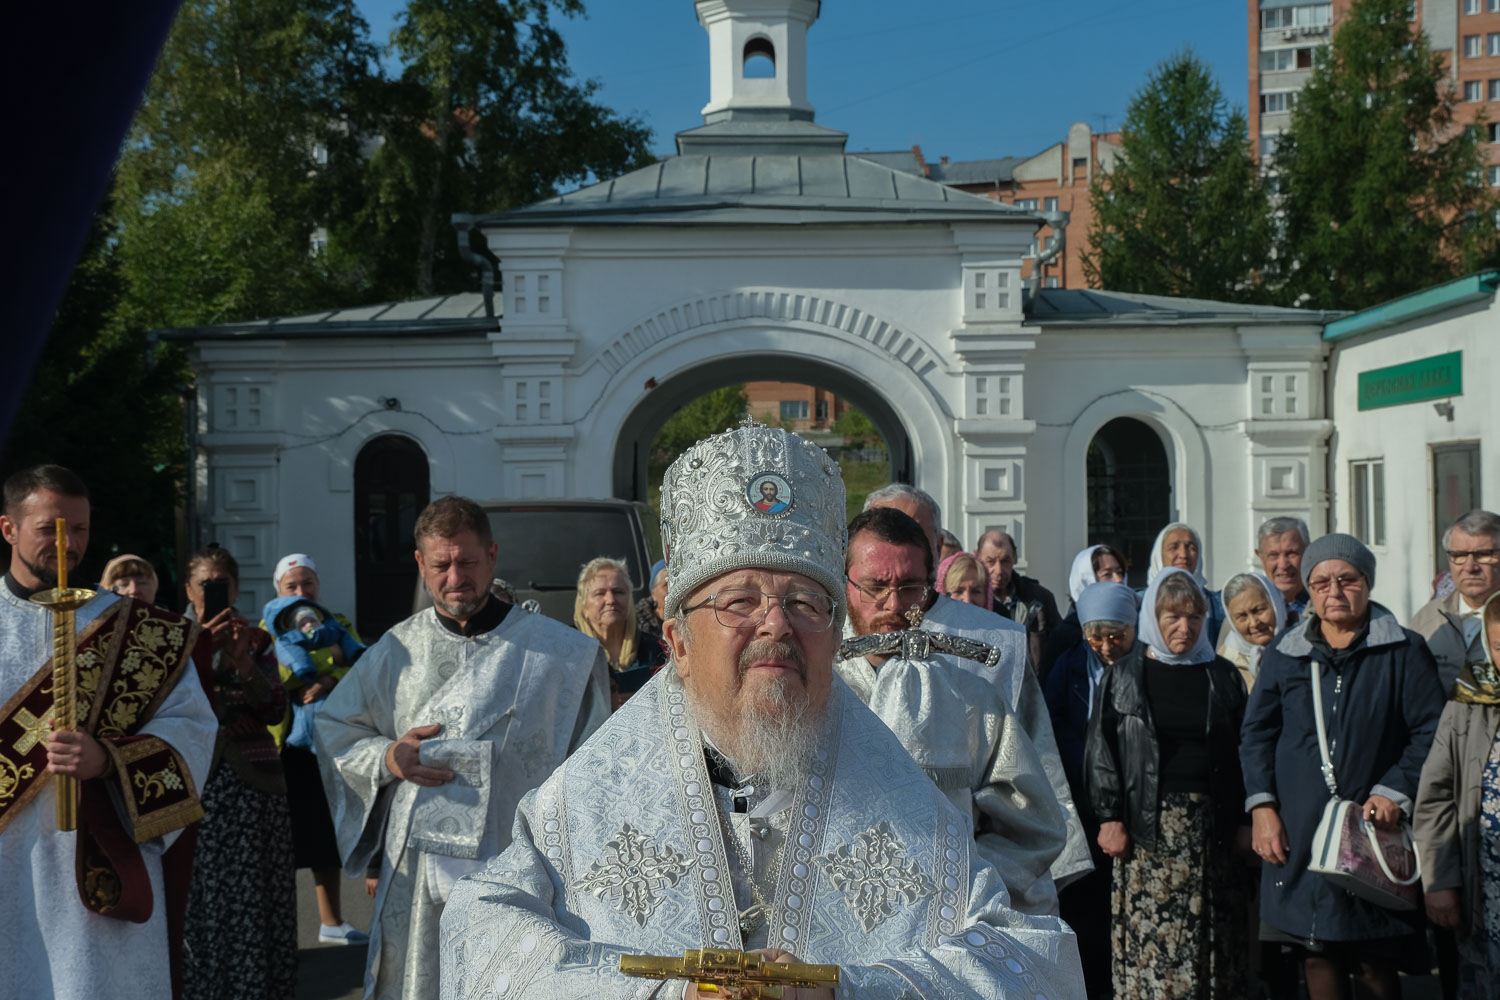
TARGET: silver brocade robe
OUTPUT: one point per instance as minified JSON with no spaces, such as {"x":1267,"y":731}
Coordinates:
{"x":1018,"y":683}
{"x":513,"y":703}
{"x":960,"y":729}
{"x":623,"y":850}
{"x":54,"y":947}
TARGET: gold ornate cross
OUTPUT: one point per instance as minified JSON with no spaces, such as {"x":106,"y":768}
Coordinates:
{"x":34,"y":730}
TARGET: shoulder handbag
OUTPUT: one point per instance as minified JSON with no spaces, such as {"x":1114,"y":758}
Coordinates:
{"x":1381,"y":866}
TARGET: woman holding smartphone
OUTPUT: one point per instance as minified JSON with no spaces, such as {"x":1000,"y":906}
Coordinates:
{"x":241,"y":926}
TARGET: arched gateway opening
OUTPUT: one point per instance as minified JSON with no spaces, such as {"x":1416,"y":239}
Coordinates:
{"x":639,"y":430}
{"x":1129,"y":491}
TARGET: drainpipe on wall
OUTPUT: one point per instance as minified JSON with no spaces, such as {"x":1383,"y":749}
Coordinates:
{"x":463,"y":224}
{"x":1059,"y":223}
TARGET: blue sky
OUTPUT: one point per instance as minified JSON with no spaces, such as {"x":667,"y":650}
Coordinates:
{"x":967,"y":79}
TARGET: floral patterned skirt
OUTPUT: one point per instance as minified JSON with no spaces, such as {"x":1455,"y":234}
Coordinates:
{"x":1179,"y":926}
{"x":241,"y":925}
{"x":1480,"y":955}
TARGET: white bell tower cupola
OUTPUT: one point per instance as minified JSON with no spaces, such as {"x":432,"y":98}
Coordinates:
{"x":757,"y":59}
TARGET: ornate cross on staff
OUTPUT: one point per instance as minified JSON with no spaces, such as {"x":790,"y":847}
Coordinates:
{"x":64,"y":600}
{"x":917,"y":644}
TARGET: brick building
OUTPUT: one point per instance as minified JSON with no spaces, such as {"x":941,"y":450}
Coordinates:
{"x":1055,"y":180}
{"x":808,"y":406}
{"x":1285,"y":36}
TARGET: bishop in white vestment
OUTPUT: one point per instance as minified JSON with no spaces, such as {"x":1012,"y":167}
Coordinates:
{"x":958,"y":727}
{"x":745,"y":798}
{"x":430,"y":741}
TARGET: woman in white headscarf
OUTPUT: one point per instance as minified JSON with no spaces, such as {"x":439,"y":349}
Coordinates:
{"x":1163,"y":778}
{"x":1257,"y":614}
{"x":1180,"y":545}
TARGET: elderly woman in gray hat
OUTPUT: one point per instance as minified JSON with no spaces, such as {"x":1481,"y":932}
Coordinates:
{"x":1381,"y":702}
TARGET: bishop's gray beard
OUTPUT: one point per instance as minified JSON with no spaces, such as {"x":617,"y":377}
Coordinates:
{"x":774,"y":737}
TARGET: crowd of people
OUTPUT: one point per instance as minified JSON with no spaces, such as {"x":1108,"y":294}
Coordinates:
{"x":1128,"y":799}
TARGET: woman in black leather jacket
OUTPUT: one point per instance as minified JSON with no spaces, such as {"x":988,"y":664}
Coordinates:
{"x":1161,"y":767}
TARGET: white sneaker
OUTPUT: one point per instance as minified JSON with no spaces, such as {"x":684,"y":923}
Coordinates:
{"x":344,"y":933}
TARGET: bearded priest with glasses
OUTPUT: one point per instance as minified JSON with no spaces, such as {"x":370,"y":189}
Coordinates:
{"x":745,"y":798}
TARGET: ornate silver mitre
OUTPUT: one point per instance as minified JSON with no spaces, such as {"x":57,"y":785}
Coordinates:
{"x":754,"y":496}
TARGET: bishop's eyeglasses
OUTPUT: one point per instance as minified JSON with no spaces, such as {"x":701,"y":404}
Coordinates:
{"x":805,"y":610}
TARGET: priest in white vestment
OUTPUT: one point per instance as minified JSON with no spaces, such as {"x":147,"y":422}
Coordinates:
{"x":1013,"y":676}
{"x":745,"y":798}
{"x":430,"y":741}
{"x":958,"y":727}
{"x":97,"y":929}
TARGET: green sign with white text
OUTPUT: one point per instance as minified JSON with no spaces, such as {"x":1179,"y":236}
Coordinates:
{"x":1429,"y":378}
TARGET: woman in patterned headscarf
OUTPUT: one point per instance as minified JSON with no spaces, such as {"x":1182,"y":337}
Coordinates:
{"x":1457,"y":822}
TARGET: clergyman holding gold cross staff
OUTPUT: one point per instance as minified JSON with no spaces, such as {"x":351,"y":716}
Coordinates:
{"x":745,"y":799}
{"x":87,"y":910}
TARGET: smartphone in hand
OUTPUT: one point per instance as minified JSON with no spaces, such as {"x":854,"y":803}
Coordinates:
{"x":215,"y":598}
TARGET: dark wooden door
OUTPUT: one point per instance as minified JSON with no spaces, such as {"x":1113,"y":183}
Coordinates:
{"x":1130,"y":491}
{"x":390,"y":490}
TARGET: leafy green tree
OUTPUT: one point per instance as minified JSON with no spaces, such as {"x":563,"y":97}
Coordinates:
{"x":855,"y":427}
{"x":248,"y":137}
{"x":1382,"y":192}
{"x":1183,"y":211}
{"x":484,"y":117}
{"x":91,"y":382}
{"x":708,"y":414}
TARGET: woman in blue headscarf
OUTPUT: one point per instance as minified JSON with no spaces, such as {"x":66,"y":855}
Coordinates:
{"x":1163,"y":778}
{"x":1107,"y":615}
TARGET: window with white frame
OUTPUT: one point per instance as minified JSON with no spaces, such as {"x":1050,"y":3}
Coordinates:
{"x":1367,"y":500}
{"x":794,"y":409}
{"x":1473,"y":46}
{"x":1492,"y":174}
{"x":1026,"y":203}
{"x":1493,"y":41}
{"x":1492,"y":132}
{"x":1050,"y":204}
{"x":1494,"y":90}
{"x":1277,"y":101}
{"x":1051,"y":283}
{"x":1473,"y":6}
{"x":1277,"y":60}
{"x":1495,"y":6}
{"x":1473,"y":90}
{"x":1317,"y":15}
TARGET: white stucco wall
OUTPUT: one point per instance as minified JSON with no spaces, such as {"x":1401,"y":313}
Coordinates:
{"x":1404,"y":435}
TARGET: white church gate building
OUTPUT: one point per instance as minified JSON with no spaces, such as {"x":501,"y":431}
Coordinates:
{"x":761,"y":251}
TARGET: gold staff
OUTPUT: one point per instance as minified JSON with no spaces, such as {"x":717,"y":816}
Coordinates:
{"x":64,"y":600}
{"x":734,"y":975}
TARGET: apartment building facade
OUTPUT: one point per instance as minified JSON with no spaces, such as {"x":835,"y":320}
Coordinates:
{"x":1285,"y":37}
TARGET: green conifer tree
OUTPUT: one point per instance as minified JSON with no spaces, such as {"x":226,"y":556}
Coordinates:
{"x":1381,"y":192}
{"x":1182,"y":211}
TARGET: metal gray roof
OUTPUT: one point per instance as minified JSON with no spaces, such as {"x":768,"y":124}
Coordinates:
{"x":445,"y":315}
{"x":976,"y":171}
{"x":761,"y":189}
{"x":1090,"y":307}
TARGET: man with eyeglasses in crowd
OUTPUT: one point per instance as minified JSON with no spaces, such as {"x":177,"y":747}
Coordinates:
{"x":956,"y":725}
{"x":745,"y":798}
{"x":1451,"y":624}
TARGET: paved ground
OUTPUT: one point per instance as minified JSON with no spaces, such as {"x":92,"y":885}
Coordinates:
{"x":326,"y":971}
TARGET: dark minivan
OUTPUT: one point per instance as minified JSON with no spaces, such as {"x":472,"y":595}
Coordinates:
{"x":544,"y":543}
